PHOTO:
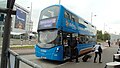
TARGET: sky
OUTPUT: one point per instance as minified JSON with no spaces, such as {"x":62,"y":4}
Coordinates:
{"x":105,"y":13}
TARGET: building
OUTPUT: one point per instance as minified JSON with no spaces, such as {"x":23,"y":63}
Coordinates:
{"x":114,"y":37}
{"x":21,"y":22}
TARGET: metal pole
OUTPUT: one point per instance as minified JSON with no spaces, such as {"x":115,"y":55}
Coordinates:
{"x":19,"y":58}
{"x":6,"y":40}
{"x":104,"y":27}
{"x":30,"y":11}
{"x":6,"y":35}
{"x":59,"y":2}
{"x":1,"y":34}
{"x":30,"y":21}
{"x":17,"y":62}
{"x":91,"y":16}
{"x":104,"y":32}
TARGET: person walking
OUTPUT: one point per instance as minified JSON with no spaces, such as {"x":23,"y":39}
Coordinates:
{"x":98,"y":51}
{"x":109,"y":43}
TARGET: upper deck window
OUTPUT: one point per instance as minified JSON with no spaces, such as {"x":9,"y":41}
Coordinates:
{"x":81,"y":21}
{"x":73,"y":18}
{"x":70,"y":16}
{"x":49,"y":12}
{"x":67,"y":15}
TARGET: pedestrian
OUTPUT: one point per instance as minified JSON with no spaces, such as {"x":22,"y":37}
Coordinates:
{"x":65,"y":42}
{"x":71,"y":51}
{"x":98,"y":51}
{"x":109,"y":43}
{"x":119,"y":43}
{"x":74,"y":50}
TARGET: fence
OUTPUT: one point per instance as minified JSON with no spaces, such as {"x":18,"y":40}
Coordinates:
{"x":14,"y":60}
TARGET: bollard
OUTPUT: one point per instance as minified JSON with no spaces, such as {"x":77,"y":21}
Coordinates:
{"x":19,"y":58}
{"x":21,"y":42}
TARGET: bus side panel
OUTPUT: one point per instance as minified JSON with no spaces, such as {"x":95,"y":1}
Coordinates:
{"x":55,"y":53}
{"x":84,"y":48}
{"x":60,"y":18}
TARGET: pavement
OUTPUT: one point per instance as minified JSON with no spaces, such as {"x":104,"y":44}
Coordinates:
{"x":21,"y":51}
{"x":24,"y":51}
{"x":107,"y":56}
{"x":18,"y":43}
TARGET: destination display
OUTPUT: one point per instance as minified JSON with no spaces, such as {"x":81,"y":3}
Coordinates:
{"x":47,"y":23}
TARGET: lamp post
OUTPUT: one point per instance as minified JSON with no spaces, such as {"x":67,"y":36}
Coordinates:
{"x":92,"y":17}
{"x":30,"y":11}
{"x":104,"y":28}
{"x":30,"y":21}
{"x":59,"y":2}
{"x":30,"y":15}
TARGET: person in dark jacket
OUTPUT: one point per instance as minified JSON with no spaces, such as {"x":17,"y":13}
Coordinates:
{"x":76,"y":50}
{"x":109,"y":43}
{"x":119,"y":43}
{"x":98,"y":51}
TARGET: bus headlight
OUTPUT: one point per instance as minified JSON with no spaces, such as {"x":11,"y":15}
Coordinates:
{"x":35,"y":46}
{"x":57,"y":49}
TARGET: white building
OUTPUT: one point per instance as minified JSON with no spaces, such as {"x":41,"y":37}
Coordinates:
{"x":21,"y":22}
{"x":114,"y":37}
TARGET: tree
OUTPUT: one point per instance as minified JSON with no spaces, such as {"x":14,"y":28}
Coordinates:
{"x":106,"y":36}
{"x":99,"y":35}
{"x":102,"y":37}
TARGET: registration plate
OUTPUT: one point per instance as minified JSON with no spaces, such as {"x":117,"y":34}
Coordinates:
{"x":43,"y":50}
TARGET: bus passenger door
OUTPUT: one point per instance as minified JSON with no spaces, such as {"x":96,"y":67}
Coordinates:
{"x":66,"y":44}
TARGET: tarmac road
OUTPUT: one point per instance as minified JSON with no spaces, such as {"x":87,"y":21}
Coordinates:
{"x":107,"y":56}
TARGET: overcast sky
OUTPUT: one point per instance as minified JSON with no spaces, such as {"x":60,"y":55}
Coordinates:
{"x":107,"y":11}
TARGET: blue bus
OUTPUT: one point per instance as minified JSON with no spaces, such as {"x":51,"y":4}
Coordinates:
{"x":58,"y":25}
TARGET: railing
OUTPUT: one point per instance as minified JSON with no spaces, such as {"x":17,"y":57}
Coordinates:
{"x":14,"y":60}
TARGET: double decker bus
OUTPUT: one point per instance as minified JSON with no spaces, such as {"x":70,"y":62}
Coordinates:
{"x":58,"y":25}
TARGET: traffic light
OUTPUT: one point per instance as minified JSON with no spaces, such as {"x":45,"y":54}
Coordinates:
{"x":1,"y":17}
